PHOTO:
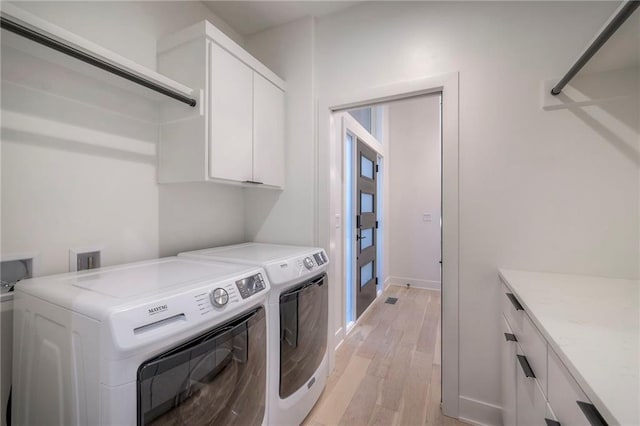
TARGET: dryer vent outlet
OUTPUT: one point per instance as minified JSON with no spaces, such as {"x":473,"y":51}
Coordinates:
{"x":88,"y":260}
{"x":83,"y":259}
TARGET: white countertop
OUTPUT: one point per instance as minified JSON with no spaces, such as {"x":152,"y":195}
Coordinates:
{"x":593,"y":325}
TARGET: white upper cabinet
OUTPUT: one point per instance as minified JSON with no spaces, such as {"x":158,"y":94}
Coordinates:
{"x":231,"y":117}
{"x":268,"y":132}
{"x":237,"y":134}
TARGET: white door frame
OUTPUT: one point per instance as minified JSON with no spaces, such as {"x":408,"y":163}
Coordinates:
{"x":330,"y":225}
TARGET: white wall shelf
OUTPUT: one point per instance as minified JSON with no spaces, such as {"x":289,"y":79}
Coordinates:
{"x":83,"y":46}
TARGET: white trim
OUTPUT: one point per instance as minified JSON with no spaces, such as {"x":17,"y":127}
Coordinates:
{"x":330,"y":204}
{"x":479,"y":413}
{"x":386,"y":284}
{"x":415,"y":283}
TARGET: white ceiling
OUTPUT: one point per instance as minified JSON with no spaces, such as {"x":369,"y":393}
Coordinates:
{"x":249,"y":17}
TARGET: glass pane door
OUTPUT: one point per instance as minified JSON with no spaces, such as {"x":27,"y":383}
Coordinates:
{"x":366,"y":223}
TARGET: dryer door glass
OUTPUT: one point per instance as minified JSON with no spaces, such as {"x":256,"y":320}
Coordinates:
{"x":217,"y":378}
{"x":303,"y":333}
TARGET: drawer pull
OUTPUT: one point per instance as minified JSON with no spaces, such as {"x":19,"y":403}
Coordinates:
{"x":550,"y":422}
{"x":510,"y":337}
{"x":591,"y":413}
{"x":524,"y":363}
{"x":515,"y":302}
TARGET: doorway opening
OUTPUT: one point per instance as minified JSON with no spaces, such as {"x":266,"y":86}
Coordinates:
{"x":392,"y":214}
{"x":332,"y":226}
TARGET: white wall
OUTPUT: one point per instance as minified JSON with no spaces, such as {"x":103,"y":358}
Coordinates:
{"x":539,"y":190}
{"x":289,"y":216}
{"x":414,"y":190}
{"x":78,"y":157}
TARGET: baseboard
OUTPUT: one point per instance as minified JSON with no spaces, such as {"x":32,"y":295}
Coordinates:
{"x":339,"y":336}
{"x":415,"y":282}
{"x":386,"y":284}
{"x":479,"y":413}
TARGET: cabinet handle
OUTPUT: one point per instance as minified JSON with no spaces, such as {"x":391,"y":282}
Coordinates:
{"x":550,"y":422}
{"x":524,"y":363}
{"x":591,"y":413}
{"x":510,"y":337}
{"x":515,"y":302}
{"x":254,"y":182}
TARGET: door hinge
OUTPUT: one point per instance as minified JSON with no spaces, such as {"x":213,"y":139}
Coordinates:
{"x":376,"y":280}
{"x":376,"y":224}
{"x":377,"y":168}
{"x":357,"y":221}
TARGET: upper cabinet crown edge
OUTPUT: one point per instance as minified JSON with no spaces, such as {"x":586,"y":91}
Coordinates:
{"x":207,"y":28}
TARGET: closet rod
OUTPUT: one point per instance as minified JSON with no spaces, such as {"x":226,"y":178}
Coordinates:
{"x":90,"y":59}
{"x":624,"y":12}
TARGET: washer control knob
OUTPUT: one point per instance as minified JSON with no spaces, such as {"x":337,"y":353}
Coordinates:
{"x":308,"y":263}
{"x":219,"y":297}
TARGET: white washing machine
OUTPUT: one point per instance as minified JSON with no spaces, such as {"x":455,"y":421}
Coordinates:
{"x":298,"y":322}
{"x":168,"y":341}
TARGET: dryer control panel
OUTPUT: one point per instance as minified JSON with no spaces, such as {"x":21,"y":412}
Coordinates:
{"x":250,"y":285}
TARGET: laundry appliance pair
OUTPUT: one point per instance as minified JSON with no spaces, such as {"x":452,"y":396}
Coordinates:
{"x":230,"y":335}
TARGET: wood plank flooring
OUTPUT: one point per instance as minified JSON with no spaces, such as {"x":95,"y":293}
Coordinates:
{"x":387,"y":371}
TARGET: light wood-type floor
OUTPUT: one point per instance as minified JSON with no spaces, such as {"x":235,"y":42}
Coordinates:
{"x":387,"y":371}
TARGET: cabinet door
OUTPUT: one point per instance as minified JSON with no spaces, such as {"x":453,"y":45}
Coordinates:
{"x":268,"y":132}
{"x":508,"y":385}
{"x":230,"y":116}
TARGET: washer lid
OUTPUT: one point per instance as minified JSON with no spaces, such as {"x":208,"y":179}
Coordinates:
{"x":138,"y":279}
{"x":256,"y":253}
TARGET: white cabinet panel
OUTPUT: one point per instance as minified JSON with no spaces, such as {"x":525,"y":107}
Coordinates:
{"x":531,"y":402}
{"x":268,"y":132}
{"x":230,"y":116}
{"x":508,"y":388}
{"x":534,"y":345}
{"x":511,"y":309}
{"x":564,"y":394}
{"x":236,"y":133}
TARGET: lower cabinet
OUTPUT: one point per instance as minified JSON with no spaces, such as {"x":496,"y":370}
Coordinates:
{"x":536,"y":387}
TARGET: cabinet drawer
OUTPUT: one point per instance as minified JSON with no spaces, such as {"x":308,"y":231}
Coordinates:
{"x":531,"y":402}
{"x":565,"y":393}
{"x":512,"y":309}
{"x":535,"y":348}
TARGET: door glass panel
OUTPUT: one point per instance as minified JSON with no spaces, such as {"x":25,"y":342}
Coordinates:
{"x":303,"y":333}
{"x":366,"y":273}
{"x":366,"y":167}
{"x":366,"y":203}
{"x":366,"y":238}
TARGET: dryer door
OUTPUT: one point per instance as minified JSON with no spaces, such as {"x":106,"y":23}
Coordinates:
{"x":303,"y":333}
{"x":217,"y":378}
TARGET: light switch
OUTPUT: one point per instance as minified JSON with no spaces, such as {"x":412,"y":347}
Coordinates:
{"x":426,"y":217}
